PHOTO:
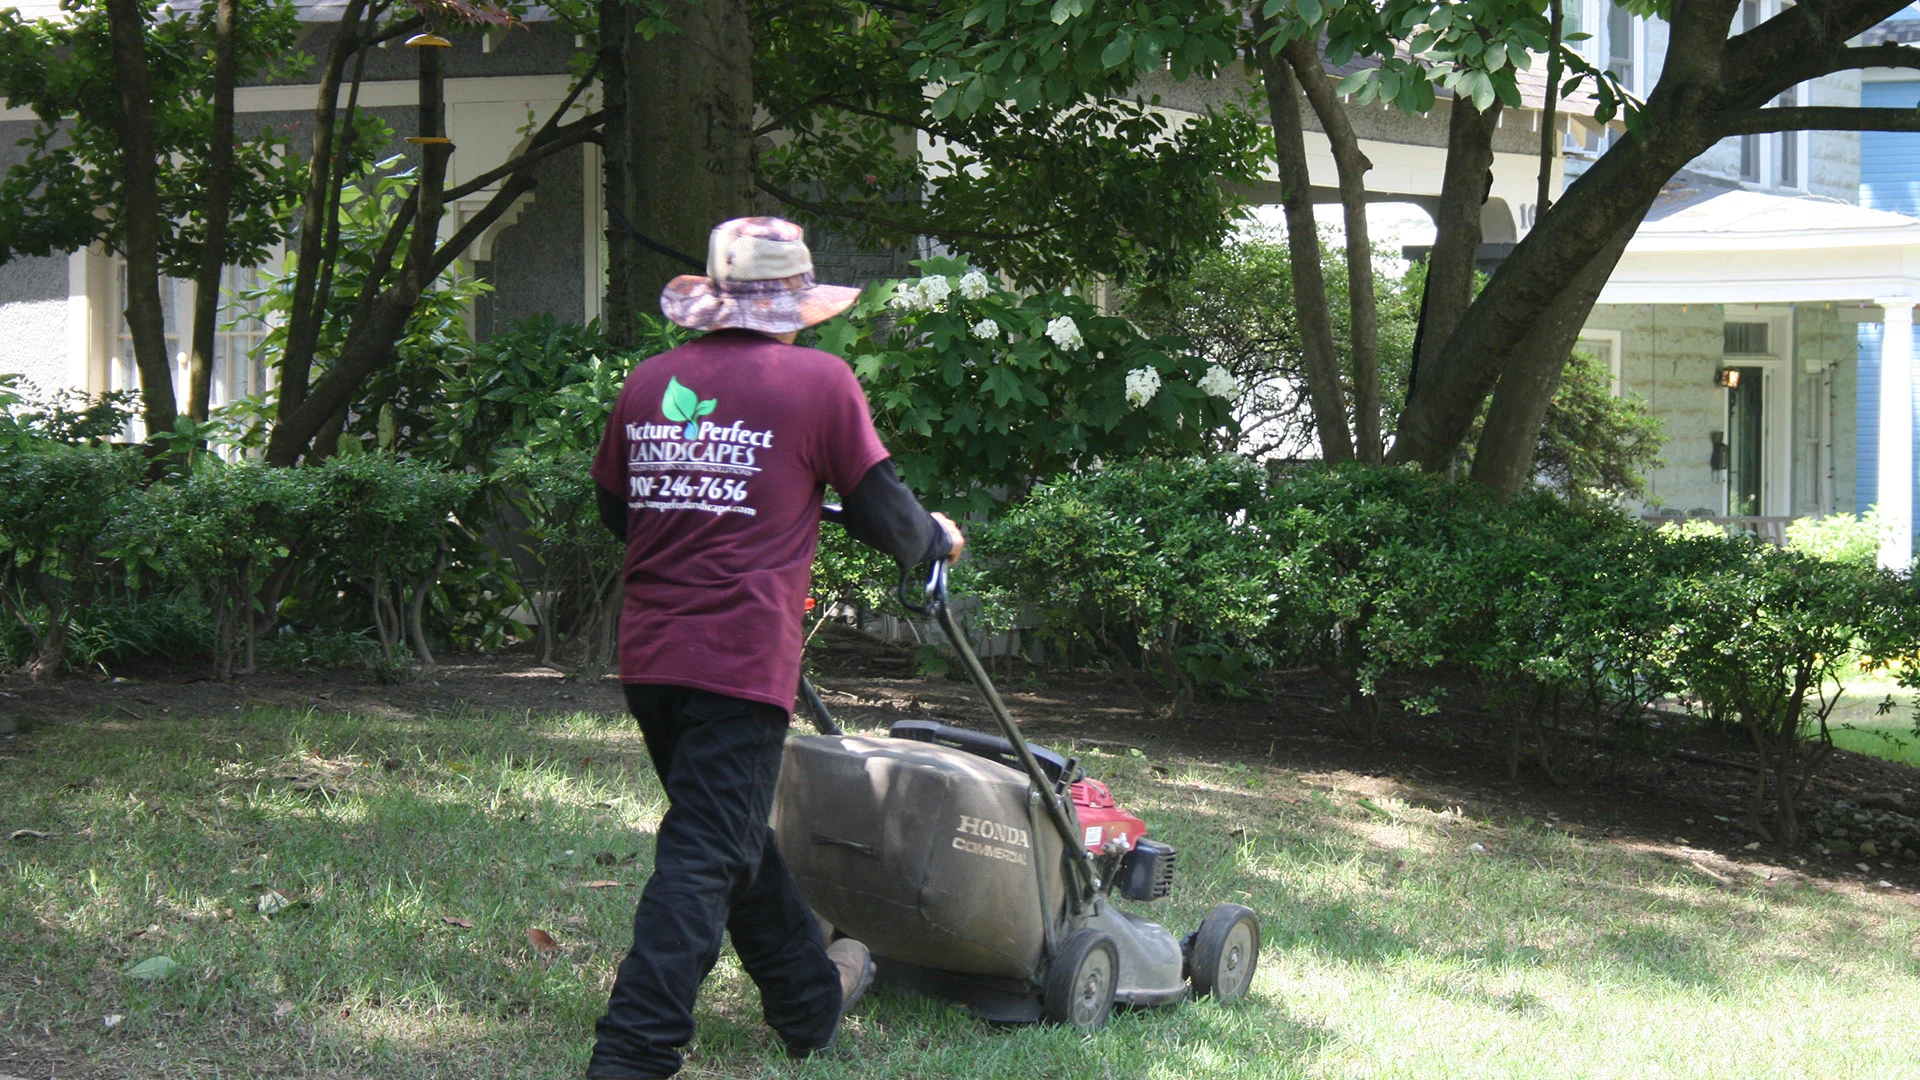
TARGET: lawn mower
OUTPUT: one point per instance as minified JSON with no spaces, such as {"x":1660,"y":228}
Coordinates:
{"x":983,"y":870}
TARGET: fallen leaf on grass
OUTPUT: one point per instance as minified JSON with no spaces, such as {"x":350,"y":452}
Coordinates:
{"x":273,"y":902}
{"x":112,"y":1020}
{"x":29,"y":834}
{"x":281,"y":1009}
{"x":543,"y":943}
{"x":461,"y":923}
{"x":154,"y":969}
{"x":1373,"y":807}
{"x":602,"y":884}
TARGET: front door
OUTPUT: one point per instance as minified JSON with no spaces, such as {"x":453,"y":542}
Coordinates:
{"x":1746,"y":449}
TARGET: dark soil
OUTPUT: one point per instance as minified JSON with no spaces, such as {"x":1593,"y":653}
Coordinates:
{"x":1685,"y":789}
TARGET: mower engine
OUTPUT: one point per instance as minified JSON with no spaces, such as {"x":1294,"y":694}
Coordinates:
{"x":1140,"y":868}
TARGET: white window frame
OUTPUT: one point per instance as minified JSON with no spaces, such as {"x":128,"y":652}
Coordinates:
{"x":1610,"y":341}
{"x":1776,"y":398}
{"x":116,"y":367}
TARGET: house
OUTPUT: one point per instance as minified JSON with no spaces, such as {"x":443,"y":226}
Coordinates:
{"x":1890,"y":161}
{"x":63,"y":313}
{"x":1764,"y":310}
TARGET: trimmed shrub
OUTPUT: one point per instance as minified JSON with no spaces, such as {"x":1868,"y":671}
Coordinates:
{"x":57,"y":504}
{"x":1155,"y":568}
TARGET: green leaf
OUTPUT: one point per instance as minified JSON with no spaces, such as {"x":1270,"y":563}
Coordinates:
{"x":679,"y":403}
{"x":1353,"y":81}
{"x":1062,"y":11}
{"x":154,"y":969}
{"x":706,"y":407}
{"x":1117,"y":50}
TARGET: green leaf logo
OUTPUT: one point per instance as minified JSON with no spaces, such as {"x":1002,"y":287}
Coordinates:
{"x":683,"y":405}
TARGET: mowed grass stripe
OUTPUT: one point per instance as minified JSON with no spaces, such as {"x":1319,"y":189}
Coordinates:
{"x":1394,"y":946}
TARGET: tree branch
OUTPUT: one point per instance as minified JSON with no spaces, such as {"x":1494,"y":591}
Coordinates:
{"x":478,"y":224}
{"x":920,"y":228}
{"x":581,"y":130}
{"x":1816,"y":118}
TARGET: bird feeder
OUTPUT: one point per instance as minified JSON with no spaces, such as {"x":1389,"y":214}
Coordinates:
{"x":433,"y":106}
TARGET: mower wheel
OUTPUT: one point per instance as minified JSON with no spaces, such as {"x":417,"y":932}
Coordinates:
{"x":1079,"y":986}
{"x":1225,"y":950}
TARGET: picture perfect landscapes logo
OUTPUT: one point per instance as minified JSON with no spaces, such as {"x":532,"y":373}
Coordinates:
{"x":684,"y":406}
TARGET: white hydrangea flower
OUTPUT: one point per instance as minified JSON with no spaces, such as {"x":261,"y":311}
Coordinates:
{"x":1218,"y":382}
{"x":975,"y":285}
{"x":1142,"y":384}
{"x":986,"y":329}
{"x":906,"y":296}
{"x":1064,"y":333}
{"x":934,"y":291}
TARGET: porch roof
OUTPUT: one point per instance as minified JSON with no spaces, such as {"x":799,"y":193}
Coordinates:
{"x":1707,"y":243}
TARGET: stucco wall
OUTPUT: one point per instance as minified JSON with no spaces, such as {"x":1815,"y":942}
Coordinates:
{"x":33,"y":300}
{"x":1669,"y":355}
{"x":1824,"y":400}
{"x":538,"y":261}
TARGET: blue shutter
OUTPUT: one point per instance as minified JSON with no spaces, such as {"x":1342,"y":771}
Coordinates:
{"x":1866,"y":417}
{"x":1890,"y":160}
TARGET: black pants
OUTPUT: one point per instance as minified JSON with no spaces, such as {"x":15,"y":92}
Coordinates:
{"x":715,"y":867}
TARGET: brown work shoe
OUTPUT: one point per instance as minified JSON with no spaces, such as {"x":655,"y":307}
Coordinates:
{"x":855,"y":966}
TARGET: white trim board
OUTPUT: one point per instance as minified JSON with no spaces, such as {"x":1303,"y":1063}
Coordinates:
{"x":391,"y":94}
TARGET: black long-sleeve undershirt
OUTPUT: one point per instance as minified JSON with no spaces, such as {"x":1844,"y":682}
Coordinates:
{"x":879,"y":512}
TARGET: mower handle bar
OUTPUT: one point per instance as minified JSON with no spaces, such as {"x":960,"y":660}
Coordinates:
{"x":935,"y":603}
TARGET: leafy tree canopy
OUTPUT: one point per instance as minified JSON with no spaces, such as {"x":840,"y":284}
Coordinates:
{"x":66,"y":194}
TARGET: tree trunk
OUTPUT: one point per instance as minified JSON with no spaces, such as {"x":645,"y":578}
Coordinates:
{"x":1613,"y":195}
{"x":1456,"y":243}
{"x":689,"y":132}
{"x":1303,"y":249}
{"x":1503,"y":460}
{"x":213,"y":251}
{"x":1363,"y":313}
{"x":618,"y":308}
{"x":303,"y":324}
{"x":141,"y":209}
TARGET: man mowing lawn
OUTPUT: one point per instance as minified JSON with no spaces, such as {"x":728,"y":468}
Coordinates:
{"x":712,"y":470}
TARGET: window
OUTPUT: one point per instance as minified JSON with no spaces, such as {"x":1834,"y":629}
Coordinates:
{"x":1774,"y":160}
{"x":1746,"y":339}
{"x":1620,"y":44}
{"x":236,"y":370}
{"x":1787,"y":148}
{"x":1750,"y":151}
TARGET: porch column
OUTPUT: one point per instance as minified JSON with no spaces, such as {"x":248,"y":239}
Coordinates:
{"x":1896,"y":432}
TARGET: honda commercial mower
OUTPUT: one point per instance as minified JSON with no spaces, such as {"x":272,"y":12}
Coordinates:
{"x":983,"y":870}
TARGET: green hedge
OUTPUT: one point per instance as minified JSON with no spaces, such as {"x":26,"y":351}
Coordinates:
{"x":1573,"y":617}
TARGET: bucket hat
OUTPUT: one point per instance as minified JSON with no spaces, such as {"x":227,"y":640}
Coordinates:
{"x":759,"y":277}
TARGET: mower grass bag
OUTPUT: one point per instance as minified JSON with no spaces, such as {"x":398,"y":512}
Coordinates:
{"x":927,"y":854}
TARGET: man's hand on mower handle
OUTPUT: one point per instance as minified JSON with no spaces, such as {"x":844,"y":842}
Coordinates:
{"x":957,"y":542}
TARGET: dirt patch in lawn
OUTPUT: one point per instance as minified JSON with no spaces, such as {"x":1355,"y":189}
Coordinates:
{"x":1684,"y":792}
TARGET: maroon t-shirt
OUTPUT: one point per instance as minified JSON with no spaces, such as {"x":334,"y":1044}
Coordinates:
{"x":722,"y":448}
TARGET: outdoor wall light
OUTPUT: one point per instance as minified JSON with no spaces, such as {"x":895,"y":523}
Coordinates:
{"x":433,"y":122}
{"x":1717,"y":457}
{"x":1727,"y":377}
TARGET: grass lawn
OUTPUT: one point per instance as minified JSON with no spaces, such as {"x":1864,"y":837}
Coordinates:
{"x":1861,"y":727}
{"x":1401,"y":941}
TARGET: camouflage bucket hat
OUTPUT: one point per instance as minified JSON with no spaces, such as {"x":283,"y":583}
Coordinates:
{"x":759,"y":277}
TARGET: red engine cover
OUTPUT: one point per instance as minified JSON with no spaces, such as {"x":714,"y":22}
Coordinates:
{"x":1101,"y":819}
